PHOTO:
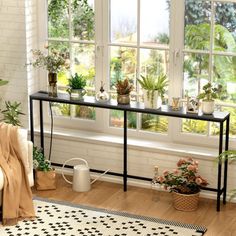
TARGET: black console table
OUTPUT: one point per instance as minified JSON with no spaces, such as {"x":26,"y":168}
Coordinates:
{"x":219,"y":117}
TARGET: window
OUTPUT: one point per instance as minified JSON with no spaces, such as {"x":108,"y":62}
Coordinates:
{"x":190,"y":41}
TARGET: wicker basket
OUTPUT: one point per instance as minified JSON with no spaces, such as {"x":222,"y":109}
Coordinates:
{"x":185,"y":202}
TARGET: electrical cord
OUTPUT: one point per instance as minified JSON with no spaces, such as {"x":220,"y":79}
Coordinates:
{"x":51,"y":132}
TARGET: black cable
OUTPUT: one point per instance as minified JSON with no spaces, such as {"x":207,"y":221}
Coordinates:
{"x":51,"y":134}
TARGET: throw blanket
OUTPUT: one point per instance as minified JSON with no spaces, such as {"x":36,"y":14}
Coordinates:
{"x":17,"y":197}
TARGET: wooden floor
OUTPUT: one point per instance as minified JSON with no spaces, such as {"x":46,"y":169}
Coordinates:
{"x":144,"y":202}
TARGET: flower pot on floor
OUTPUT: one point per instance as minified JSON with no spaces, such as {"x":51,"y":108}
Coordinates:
{"x":45,"y":180}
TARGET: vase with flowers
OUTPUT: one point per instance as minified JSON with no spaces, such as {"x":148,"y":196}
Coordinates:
{"x":185,"y":183}
{"x":53,"y":62}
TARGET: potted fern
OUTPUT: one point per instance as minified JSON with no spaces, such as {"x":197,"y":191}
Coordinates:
{"x":123,"y":88}
{"x":76,"y":85}
{"x":153,"y":90}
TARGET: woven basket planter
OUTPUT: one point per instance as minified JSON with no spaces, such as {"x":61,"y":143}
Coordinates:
{"x":185,"y":202}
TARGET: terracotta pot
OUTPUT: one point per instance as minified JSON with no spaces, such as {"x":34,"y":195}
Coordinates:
{"x":52,"y":84}
{"x":45,"y":180}
{"x":185,"y":202}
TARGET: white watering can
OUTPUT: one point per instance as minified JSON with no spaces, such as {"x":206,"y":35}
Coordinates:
{"x":81,"y":176}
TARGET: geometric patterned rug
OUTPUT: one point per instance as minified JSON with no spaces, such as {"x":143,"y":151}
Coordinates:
{"x":55,"y":218}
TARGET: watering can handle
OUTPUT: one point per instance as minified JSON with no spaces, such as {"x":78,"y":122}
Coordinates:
{"x":72,"y":159}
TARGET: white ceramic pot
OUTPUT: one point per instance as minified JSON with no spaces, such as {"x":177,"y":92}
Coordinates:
{"x":152,"y":99}
{"x":208,"y":107}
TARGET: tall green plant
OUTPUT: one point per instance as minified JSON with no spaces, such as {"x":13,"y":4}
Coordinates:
{"x":12,"y":112}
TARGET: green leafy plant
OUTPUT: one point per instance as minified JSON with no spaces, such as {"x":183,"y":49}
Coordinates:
{"x":152,"y":83}
{"x":77,"y":81}
{"x":185,"y":179}
{"x":210,"y":92}
{"x":3,"y":82}
{"x":39,"y":161}
{"x":53,"y":61}
{"x":12,"y":112}
{"x":123,"y":87}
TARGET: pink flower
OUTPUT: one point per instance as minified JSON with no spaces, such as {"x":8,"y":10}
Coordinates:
{"x":181,"y":162}
{"x":175,"y":171}
{"x":198,"y":181}
{"x":192,"y":168}
{"x":160,"y":179}
{"x":165,"y":172}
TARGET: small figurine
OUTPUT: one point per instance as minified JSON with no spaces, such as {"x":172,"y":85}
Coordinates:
{"x":192,"y":105}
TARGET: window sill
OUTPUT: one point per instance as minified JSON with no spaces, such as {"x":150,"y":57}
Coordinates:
{"x":133,"y":143}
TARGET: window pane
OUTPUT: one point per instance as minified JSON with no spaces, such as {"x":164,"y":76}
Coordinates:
{"x":232,"y":125}
{"x":154,"y":22}
{"x":123,"y":21}
{"x":154,"y":62}
{"x":154,"y":123}
{"x":122,"y":64}
{"x":195,"y":73}
{"x":194,"y":126}
{"x":84,"y":63}
{"x":60,"y":109}
{"x":83,"y":19}
{"x":224,"y":72}
{"x":58,"y":19}
{"x":197,"y":24}
{"x":117,"y":119}
{"x":225,"y":27}
{"x":83,"y":112}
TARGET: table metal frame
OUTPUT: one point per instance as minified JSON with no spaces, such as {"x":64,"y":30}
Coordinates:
{"x":219,"y":117}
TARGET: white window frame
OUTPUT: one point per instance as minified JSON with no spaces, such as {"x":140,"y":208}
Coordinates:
{"x":176,"y":52}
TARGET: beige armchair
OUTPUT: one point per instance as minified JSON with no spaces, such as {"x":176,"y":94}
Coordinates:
{"x":27,"y":151}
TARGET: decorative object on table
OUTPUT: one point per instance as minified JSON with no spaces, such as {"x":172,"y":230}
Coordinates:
{"x":76,"y":85}
{"x":230,"y":156}
{"x":11,"y":113}
{"x":192,"y":105}
{"x":184,"y":183}
{"x":64,"y":218}
{"x":102,"y":95}
{"x":53,"y":62}
{"x":153,"y":90}
{"x":123,"y":88}
{"x":210,"y":92}
{"x":45,"y":175}
{"x":175,"y":103}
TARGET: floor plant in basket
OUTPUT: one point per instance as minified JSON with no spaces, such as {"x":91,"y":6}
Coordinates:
{"x":184,"y":182}
{"x":45,"y":175}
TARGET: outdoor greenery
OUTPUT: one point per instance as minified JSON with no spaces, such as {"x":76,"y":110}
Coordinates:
{"x":153,"y":62}
{"x":11,"y":113}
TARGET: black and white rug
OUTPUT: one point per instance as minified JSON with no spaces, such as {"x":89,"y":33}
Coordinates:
{"x":60,"y":218}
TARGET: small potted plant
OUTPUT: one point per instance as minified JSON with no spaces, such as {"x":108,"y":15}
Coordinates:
{"x":76,"y":85}
{"x":184,"y":182}
{"x":11,"y":113}
{"x":123,"y":88}
{"x":45,"y":175}
{"x":153,"y":90}
{"x":208,"y":95}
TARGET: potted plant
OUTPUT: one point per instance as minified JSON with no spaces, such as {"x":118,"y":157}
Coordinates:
{"x":229,"y":155}
{"x":45,"y":175}
{"x":53,"y":62}
{"x":76,"y":87}
{"x":11,"y":113}
{"x":184,"y":182}
{"x":208,"y":95}
{"x":123,"y":88}
{"x":153,"y":90}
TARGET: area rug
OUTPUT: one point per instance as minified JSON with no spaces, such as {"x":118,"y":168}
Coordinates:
{"x":56,"y":218}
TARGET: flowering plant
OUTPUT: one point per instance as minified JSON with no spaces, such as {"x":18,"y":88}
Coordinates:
{"x":53,"y":62}
{"x":185,"y":179}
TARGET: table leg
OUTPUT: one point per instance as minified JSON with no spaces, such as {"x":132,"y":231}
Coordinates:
{"x":41,"y":125}
{"x":31,"y":120}
{"x":226,"y":161}
{"x":219,"y":166}
{"x":125,"y":153}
